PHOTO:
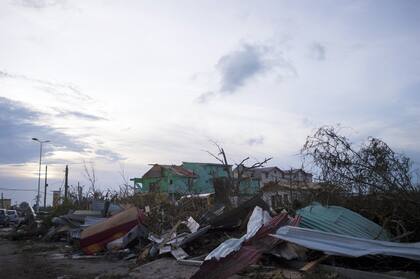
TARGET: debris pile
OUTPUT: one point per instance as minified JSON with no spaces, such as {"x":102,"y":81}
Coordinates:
{"x":219,"y":241}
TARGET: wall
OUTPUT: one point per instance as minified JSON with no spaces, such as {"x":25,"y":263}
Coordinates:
{"x":272,"y":176}
{"x":169,"y":183}
{"x":249,"y":186}
{"x":205,"y":172}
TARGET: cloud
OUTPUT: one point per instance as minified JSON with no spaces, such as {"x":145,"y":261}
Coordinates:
{"x":39,"y":4}
{"x":53,"y":88}
{"x":205,"y":97}
{"x":109,"y":155}
{"x":251,"y":60}
{"x":255,"y":141}
{"x":238,"y":66}
{"x":317,"y":51}
{"x":81,"y":115}
{"x":18,"y":124}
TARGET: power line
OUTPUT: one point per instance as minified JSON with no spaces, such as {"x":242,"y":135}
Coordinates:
{"x":11,"y":189}
{"x":22,"y":190}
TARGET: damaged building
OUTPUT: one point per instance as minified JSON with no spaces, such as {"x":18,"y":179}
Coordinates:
{"x":187,"y":178}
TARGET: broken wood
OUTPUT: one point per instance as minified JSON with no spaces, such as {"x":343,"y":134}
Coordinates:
{"x":308,"y":267}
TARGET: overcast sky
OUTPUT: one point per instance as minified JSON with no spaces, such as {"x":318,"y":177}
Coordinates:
{"x":123,"y":84}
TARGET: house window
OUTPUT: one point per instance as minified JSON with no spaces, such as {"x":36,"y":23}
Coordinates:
{"x":170,"y":181}
{"x":285,"y":198}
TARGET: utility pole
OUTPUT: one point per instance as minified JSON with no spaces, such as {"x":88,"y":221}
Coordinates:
{"x":290,"y":183}
{"x":41,"y":142}
{"x":45,"y":188}
{"x":66,"y":183}
{"x":79,"y":192}
{"x":2,"y":200}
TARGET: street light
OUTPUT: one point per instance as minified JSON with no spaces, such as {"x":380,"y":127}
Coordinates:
{"x":39,"y":171}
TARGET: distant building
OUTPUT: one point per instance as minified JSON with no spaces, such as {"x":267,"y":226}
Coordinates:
{"x":205,"y":172}
{"x":277,"y":195}
{"x":5,"y":203}
{"x":166,"y":178}
{"x":263,"y":175}
{"x":297,"y":176}
{"x":275,"y":175}
{"x":188,"y":178}
{"x":197,"y":178}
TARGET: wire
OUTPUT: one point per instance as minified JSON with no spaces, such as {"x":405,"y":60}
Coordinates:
{"x":10,"y":189}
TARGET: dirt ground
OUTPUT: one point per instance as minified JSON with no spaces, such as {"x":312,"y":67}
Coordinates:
{"x":36,"y":259}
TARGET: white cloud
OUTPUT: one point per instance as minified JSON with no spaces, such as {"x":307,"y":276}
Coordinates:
{"x":135,"y":71}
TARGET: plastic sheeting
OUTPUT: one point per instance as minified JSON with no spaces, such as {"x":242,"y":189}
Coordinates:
{"x":258,"y":219}
{"x":343,"y":245}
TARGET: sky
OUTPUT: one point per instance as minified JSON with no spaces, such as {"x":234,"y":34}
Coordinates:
{"x":119,"y":85}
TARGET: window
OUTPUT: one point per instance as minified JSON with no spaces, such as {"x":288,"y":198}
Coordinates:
{"x":170,"y":181}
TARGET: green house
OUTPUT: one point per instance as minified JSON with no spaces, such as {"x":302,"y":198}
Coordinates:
{"x":189,"y":178}
{"x":166,"y":178}
{"x":205,"y":173}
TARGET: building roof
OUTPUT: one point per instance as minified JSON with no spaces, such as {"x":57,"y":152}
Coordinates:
{"x":211,"y":164}
{"x":256,"y":173}
{"x":294,"y":171}
{"x":181,"y":171}
{"x":156,"y":171}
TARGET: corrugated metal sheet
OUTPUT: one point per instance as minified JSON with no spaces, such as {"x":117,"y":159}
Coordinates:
{"x":343,"y":245}
{"x":340,"y":220}
{"x":249,"y":253}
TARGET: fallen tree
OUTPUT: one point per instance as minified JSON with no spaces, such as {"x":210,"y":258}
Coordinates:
{"x":371,"y":179}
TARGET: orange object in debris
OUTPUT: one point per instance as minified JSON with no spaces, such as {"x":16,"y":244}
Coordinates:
{"x":94,"y":238}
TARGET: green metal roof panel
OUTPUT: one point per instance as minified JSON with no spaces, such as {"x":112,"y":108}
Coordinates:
{"x":340,"y":220}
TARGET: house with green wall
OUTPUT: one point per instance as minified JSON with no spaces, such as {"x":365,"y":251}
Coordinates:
{"x":166,"y":178}
{"x":188,"y":178}
{"x":205,"y":173}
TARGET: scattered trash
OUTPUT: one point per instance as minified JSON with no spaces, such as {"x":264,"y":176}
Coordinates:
{"x":218,"y":241}
{"x":234,"y":255}
{"x":192,"y":224}
{"x":179,"y":253}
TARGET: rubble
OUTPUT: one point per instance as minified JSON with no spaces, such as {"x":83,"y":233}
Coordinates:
{"x":234,"y":255}
{"x":220,"y":241}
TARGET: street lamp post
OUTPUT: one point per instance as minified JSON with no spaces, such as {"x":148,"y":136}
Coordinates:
{"x":39,"y":170}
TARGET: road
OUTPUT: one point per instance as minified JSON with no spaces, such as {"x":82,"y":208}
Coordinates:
{"x":36,"y":259}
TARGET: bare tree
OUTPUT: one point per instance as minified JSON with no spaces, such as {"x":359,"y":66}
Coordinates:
{"x":381,"y":179}
{"x":125,"y":188}
{"x":372,"y":167}
{"x":241,"y":168}
{"x":89,"y":173}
